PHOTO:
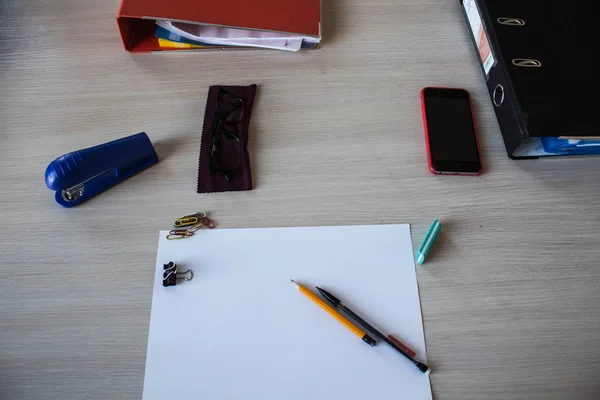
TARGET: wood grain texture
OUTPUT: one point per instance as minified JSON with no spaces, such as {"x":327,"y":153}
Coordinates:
{"x":510,"y":292}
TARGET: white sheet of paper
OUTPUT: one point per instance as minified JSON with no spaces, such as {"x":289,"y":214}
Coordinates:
{"x":289,"y":44}
{"x":225,"y":33}
{"x":241,"y":330}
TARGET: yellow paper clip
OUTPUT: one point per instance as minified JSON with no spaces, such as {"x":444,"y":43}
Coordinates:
{"x":185,"y":221}
{"x":194,"y":222}
{"x":189,"y":219}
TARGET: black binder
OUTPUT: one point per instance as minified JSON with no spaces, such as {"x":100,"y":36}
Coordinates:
{"x":540,"y":68}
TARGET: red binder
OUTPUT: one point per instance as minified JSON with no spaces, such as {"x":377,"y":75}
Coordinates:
{"x":136,"y":18}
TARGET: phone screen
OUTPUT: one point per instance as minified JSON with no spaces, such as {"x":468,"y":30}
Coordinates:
{"x":452,"y":137}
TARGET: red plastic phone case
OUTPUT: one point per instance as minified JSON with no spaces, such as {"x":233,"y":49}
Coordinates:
{"x":426,"y":127}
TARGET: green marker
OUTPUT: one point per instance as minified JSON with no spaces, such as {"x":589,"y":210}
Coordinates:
{"x":429,"y":239}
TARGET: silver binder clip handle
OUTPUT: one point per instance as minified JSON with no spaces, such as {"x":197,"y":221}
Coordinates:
{"x":511,"y":21}
{"x":527,"y":62}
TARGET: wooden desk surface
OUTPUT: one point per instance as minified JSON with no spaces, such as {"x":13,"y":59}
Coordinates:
{"x":510,"y":295}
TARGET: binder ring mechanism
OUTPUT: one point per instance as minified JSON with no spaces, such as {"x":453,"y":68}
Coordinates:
{"x":527,"y":62}
{"x":498,"y":95}
{"x":511,"y":21}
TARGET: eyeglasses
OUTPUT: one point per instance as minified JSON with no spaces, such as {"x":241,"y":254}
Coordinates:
{"x":225,"y":144}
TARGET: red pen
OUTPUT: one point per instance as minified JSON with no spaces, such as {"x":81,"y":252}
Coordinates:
{"x":405,"y":347}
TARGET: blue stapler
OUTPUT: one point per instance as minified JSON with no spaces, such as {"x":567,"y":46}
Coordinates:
{"x":82,"y":174}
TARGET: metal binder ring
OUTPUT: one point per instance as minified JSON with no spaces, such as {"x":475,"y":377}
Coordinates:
{"x":511,"y":21}
{"x":498,"y":95}
{"x":526,"y":62}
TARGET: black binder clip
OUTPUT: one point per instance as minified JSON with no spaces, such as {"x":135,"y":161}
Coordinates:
{"x":170,"y":274}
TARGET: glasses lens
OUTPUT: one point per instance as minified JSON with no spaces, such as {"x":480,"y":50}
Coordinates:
{"x":226,"y":150}
{"x":230,"y":108}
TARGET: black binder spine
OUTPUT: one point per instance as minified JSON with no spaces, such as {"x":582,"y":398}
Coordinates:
{"x":510,"y":117}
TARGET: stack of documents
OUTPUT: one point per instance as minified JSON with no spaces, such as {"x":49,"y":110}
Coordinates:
{"x":166,"y":25}
{"x":173,"y":34}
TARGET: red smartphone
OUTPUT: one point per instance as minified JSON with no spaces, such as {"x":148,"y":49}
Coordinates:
{"x":450,"y":132}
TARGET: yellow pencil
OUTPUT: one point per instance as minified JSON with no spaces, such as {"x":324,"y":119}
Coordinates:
{"x":343,"y":320}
